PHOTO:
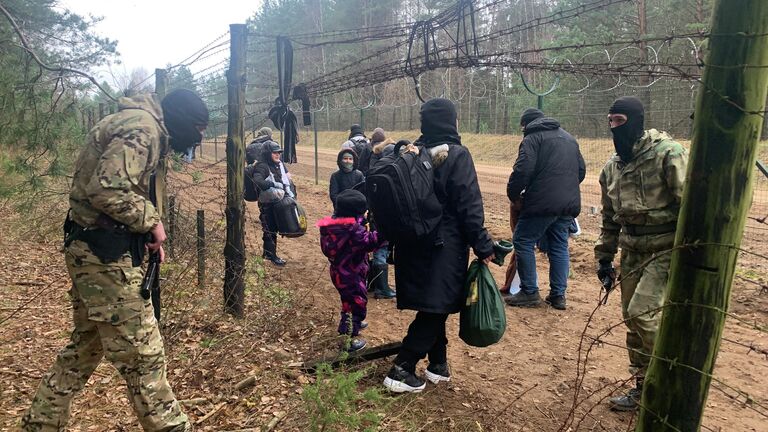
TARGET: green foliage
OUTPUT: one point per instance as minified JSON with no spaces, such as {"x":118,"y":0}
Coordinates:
{"x":197,"y":176}
{"x":334,"y":402}
{"x":43,"y":115}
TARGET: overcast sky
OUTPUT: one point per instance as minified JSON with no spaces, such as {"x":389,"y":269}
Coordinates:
{"x":154,"y":33}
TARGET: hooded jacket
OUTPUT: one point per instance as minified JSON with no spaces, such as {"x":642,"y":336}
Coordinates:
{"x":548,"y":171}
{"x":430,"y":276}
{"x":340,"y":180}
{"x":112,"y":173}
{"x":346,"y":242}
{"x":380,"y":150}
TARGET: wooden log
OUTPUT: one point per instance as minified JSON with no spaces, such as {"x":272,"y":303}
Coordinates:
{"x":363,"y":355}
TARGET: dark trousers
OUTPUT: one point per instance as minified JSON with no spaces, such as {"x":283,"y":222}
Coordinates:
{"x":426,"y":337}
{"x":269,"y":227}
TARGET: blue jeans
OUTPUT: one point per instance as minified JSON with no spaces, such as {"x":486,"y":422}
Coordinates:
{"x":530,"y":230}
{"x":380,"y":256}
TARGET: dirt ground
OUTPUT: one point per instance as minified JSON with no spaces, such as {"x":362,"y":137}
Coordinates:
{"x":526,"y":382}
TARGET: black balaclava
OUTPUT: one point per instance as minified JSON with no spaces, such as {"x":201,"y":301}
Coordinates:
{"x":183,"y":112}
{"x":438,"y":122}
{"x":355,"y":130}
{"x":626,"y":135}
{"x":529,"y":115}
{"x":351,"y":203}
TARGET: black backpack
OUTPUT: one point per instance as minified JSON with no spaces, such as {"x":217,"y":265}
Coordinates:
{"x":250,"y":191}
{"x":401,"y":195}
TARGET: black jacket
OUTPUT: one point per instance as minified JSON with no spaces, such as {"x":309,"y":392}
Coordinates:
{"x":430,"y":277}
{"x":549,"y":169}
{"x":340,"y":180}
{"x":262,"y":170}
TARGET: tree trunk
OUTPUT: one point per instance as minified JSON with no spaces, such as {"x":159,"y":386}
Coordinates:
{"x":234,"y":250}
{"x":714,"y":209}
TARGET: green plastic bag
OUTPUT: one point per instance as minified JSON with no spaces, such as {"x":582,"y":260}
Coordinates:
{"x":482,"y":320}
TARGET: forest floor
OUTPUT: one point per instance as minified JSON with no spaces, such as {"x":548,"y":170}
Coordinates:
{"x":526,"y":382}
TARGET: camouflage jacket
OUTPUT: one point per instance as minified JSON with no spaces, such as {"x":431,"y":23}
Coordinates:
{"x":646,"y":191}
{"x":112,"y":173}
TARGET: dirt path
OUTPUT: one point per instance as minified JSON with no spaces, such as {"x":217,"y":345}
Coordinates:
{"x":525,"y":382}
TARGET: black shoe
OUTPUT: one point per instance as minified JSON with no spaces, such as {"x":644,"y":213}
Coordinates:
{"x":380,"y":282}
{"x":437,"y":372}
{"x":363,"y":325}
{"x":627,"y":402}
{"x":522,"y":299}
{"x":557,"y":302}
{"x":399,"y":380}
{"x":276,"y":260}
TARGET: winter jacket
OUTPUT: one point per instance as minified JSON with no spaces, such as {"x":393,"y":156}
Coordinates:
{"x":361,"y":146}
{"x":340,"y":180}
{"x":429,"y":276}
{"x":112,"y":173}
{"x":380,"y":150}
{"x":346,"y":242}
{"x":644,"y":192}
{"x":262,"y":170}
{"x":548,"y":171}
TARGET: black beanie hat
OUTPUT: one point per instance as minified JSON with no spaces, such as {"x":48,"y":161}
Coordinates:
{"x":351,"y":203}
{"x":355,"y":130}
{"x":438,"y":122}
{"x":183,"y":112}
{"x":529,"y":115}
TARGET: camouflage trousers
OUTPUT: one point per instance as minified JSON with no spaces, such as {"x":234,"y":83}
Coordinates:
{"x":111,"y":319}
{"x":642,"y":294}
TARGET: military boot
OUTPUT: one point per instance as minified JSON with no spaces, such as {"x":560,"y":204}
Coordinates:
{"x":629,"y":401}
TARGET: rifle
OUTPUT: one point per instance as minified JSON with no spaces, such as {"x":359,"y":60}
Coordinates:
{"x":150,"y":285}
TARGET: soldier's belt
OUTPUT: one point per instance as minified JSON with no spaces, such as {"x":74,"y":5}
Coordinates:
{"x":109,"y":242}
{"x":641,"y":230}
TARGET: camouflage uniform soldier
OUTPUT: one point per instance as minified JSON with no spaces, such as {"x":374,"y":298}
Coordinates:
{"x":109,"y":219}
{"x":642,"y":186}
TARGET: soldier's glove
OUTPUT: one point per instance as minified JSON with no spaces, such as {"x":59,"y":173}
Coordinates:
{"x":607,"y":275}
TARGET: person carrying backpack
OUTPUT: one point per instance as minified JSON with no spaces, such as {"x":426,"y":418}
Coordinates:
{"x":254,"y":149}
{"x":430,"y":271}
{"x":359,"y":143}
{"x":346,"y":177}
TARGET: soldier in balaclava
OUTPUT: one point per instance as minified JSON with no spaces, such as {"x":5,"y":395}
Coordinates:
{"x":642,"y":186}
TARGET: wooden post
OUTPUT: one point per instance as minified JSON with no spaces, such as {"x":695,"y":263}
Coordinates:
{"x":171,"y":225}
{"x":102,"y":110}
{"x":201,"y":249}
{"x":717,"y":197}
{"x":161,"y":82}
{"x":215,"y":144}
{"x":234,"y":250}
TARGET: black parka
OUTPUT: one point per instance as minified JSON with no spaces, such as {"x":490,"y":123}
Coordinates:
{"x":549,"y":168}
{"x":340,"y":180}
{"x":430,"y":277}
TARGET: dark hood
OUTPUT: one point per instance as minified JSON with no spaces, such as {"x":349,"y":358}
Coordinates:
{"x":183,"y":112}
{"x":541,"y":124}
{"x":341,"y":154}
{"x":438,"y":123}
{"x":356,"y":130}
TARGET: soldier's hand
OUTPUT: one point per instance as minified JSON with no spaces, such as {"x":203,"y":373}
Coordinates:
{"x":158,"y":237}
{"x":606,"y":272}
